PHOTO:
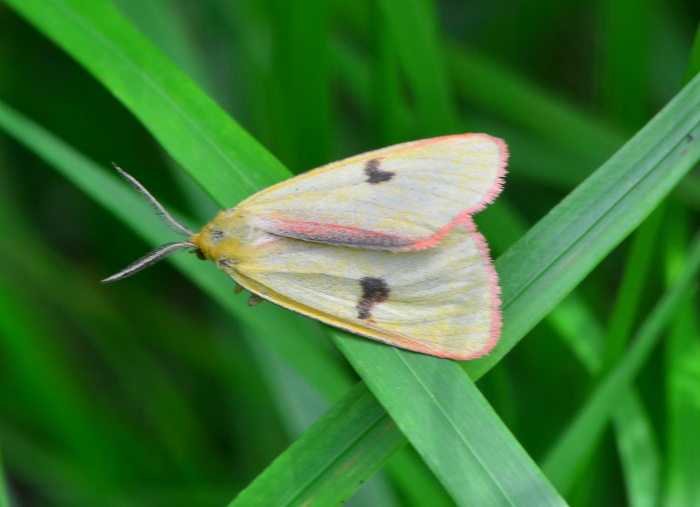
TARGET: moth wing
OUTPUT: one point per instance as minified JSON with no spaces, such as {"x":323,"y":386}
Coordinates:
{"x":442,"y":301}
{"x":396,"y":198}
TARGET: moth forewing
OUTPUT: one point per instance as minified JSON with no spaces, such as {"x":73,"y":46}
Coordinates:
{"x":404,"y":194}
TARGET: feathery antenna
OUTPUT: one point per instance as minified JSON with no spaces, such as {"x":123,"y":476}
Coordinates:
{"x":151,"y":258}
{"x":162,"y":251}
{"x":158,"y":207}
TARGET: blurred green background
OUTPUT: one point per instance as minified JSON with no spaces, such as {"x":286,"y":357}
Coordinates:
{"x":147,"y":392}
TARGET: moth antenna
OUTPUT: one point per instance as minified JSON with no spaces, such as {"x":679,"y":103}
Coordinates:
{"x":156,"y":255}
{"x":157,"y":207}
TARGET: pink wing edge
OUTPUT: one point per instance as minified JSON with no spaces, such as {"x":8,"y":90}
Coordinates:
{"x":495,"y":289}
{"x":466,"y":218}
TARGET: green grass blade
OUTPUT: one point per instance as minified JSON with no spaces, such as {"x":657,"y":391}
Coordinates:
{"x":451,"y":425}
{"x":558,"y":252}
{"x":694,"y":59}
{"x":301,"y":94}
{"x":531,"y":108}
{"x":639,"y":451}
{"x":4,"y":498}
{"x":164,"y":24}
{"x":358,"y":436}
{"x":412,"y":26}
{"x":632,"y":288}
{"x":625,"y":27}
{"x":565,"y":459}
{"x":682,"y":357}
{"x":224,"y":159}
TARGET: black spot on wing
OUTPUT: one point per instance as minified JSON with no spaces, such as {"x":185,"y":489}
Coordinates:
{"x":375,"y":174}
{"x":374,"y":291}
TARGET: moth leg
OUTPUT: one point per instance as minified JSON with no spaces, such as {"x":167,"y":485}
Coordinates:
{"x":254,"y":300}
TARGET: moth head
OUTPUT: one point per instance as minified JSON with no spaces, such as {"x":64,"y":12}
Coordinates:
{"x":162,"y":251}
{"x":220,"y":237}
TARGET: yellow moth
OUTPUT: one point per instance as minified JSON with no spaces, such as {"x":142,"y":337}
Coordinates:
{"x":381,"y":244}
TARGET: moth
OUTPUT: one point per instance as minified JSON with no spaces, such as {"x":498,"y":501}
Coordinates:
{"x":381,"y":244}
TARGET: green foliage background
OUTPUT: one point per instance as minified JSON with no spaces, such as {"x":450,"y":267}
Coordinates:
{"x":168,"y":390}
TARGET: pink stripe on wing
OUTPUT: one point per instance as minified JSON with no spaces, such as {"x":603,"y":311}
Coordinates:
{"x":333,"y":234}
